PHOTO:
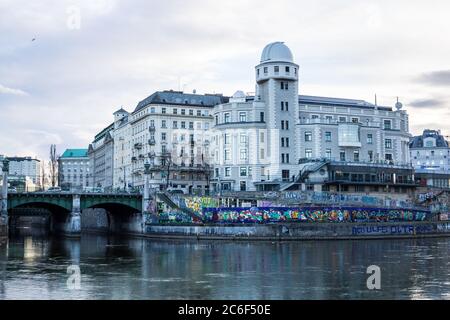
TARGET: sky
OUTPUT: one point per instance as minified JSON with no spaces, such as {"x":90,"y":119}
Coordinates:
{"x":67,"y":65}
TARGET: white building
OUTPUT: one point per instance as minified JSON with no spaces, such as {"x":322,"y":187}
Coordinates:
{"x":430,"y":152}
{"x":122,"y":151}
{"x":259,"y":141}
{"x":101,"y":159}
{"x":24,"y":173}
{"x":74,"y":170}
{"x":171,"y":131}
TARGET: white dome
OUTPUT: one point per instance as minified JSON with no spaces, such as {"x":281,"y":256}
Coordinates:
{"x":239,"y":94}
{"x":277,"y":51}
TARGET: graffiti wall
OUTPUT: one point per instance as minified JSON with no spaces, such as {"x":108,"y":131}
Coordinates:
{"x":274,"y":215}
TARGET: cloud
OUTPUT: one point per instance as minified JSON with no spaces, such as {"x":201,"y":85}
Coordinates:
{"x":17,"y":92}
{"x":428,"y":103}
{"x":437,"y":78}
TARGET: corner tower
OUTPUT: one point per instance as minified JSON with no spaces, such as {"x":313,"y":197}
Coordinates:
{"x":277,"y":89}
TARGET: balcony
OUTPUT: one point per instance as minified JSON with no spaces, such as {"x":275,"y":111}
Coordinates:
{"x":152,"y":128}
{"x":138,"y":146}
{"x":152,"y":142}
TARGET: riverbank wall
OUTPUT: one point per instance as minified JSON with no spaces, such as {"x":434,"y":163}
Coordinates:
{"x":3,"y":233}
{"x":301,"y":231}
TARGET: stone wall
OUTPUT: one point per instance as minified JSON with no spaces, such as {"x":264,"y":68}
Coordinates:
{"x":303,"y":231}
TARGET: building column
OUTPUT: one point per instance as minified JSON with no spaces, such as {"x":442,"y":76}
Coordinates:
{"x":74,"y":222}
{"x":4,"y":200}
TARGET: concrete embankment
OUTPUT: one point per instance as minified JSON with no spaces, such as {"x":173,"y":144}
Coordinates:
{"x":3,"y":233}
{"x":302,"y":231}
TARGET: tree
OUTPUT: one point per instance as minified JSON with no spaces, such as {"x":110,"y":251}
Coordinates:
{"x":53,"y":166}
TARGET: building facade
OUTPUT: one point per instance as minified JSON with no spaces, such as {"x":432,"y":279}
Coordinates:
{"x":122,"y":151}
{"x":74,"y":170}
{"x":430,"y":152}
{"x":170,"y":130}
{"x":255,"y":136}
{"x":101,"y":159}
{"x":259,"y":140}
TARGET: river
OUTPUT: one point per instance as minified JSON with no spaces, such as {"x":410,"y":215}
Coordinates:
{"x":35,"y":266}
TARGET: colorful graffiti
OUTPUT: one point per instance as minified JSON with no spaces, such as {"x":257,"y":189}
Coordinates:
{"x":197,"y":204}
{"x":174,"y":217}
{"x":276,"y":215}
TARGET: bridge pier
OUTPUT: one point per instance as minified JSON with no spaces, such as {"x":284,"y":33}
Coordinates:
{"x":73,"y":227}
{"x":4,"y":201}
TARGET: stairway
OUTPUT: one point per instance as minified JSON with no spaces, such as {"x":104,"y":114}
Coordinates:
{"x":166,"y":198}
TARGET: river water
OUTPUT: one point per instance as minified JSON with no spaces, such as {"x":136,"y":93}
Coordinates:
{"x":35,"y":266}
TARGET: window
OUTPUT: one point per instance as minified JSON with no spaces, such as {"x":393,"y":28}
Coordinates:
{"x":277,"y":69}
{"x":282,"y":158}
{"x":243,"y":172}
{"x":282,"y":85}
{"x":243,"y":186}
{"x":191,"y":112}
{"x":370,"y":154}
{"x":327,"y":136}
{"x":164,"y":124}
{"x":287,"y":125}
{"x":389,"y":157}
{"x":243,"y":138}
{"x":287,"y":158}
{"x":183,"y":111}
{"x":175,"y":111}
{"x":199,"y":113}
{"x":226,"y":118}
{"x":388,"y":143}
{"x":257,"y":72}
{"x":342,"y":119}
{"x":152,"y":110}
{"x":282,"y":124}
{"x":356,"y":156}
{"x":387,"y":124}
{"x":282,"y":142}
{"x":175,"y":124}
{"x":328,"y":154}
{"x":163,"y":110}
{"x":266,"y":70}
{"x":370,"y":138}
{"x":261,"y":153}
{"x":308,"y":153}
{"x":288,"y":70}
{"x":355,"y":120}
{"x":227,"y":138}
{"x":308,"y":136}
{"x":217,"y":120}
{"x":342,"y":156}
{"x":261,"y":137}
{"x":227,"y":172}
{"x":183,"y":124}
{"x":261,"y":117}
{"x":163,"y":136}
{"x":328,"y":119}
{"x":282,"y":105}
{"x":244,"y":154}
{"x":191,"y":125}
{"x":242,"y":116}
{"x":286,"y":104}
{"x":227,"y":155}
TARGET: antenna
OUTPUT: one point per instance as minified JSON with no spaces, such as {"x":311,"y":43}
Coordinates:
{"x":376,"y":103}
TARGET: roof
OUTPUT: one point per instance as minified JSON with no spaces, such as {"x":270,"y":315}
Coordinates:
{"x":20,"y":159}
{"x":180,"y":98}
{"x":276,"y":51}
{"x":104,"y":132}
{"x":417,"y":142}
{"x":339,"y":102}
{"x":121,"y":110}
{"x":75,"y":153}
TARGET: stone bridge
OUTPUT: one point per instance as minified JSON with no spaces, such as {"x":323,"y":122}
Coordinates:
{"x":122,"y":212}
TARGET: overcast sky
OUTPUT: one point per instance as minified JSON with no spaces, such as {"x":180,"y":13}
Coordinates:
{"x":62,"y":77}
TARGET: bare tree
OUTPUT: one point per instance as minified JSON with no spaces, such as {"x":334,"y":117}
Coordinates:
{"x":43,"y":176}
{"x":53,"y":165}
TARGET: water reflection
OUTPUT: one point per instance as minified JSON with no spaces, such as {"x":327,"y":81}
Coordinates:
{"x":35,"y":267}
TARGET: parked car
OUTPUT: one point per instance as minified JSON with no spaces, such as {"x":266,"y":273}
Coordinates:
{"x":54,"y":189}
{"x":12,"y":189}
{"x":176,"y":191}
